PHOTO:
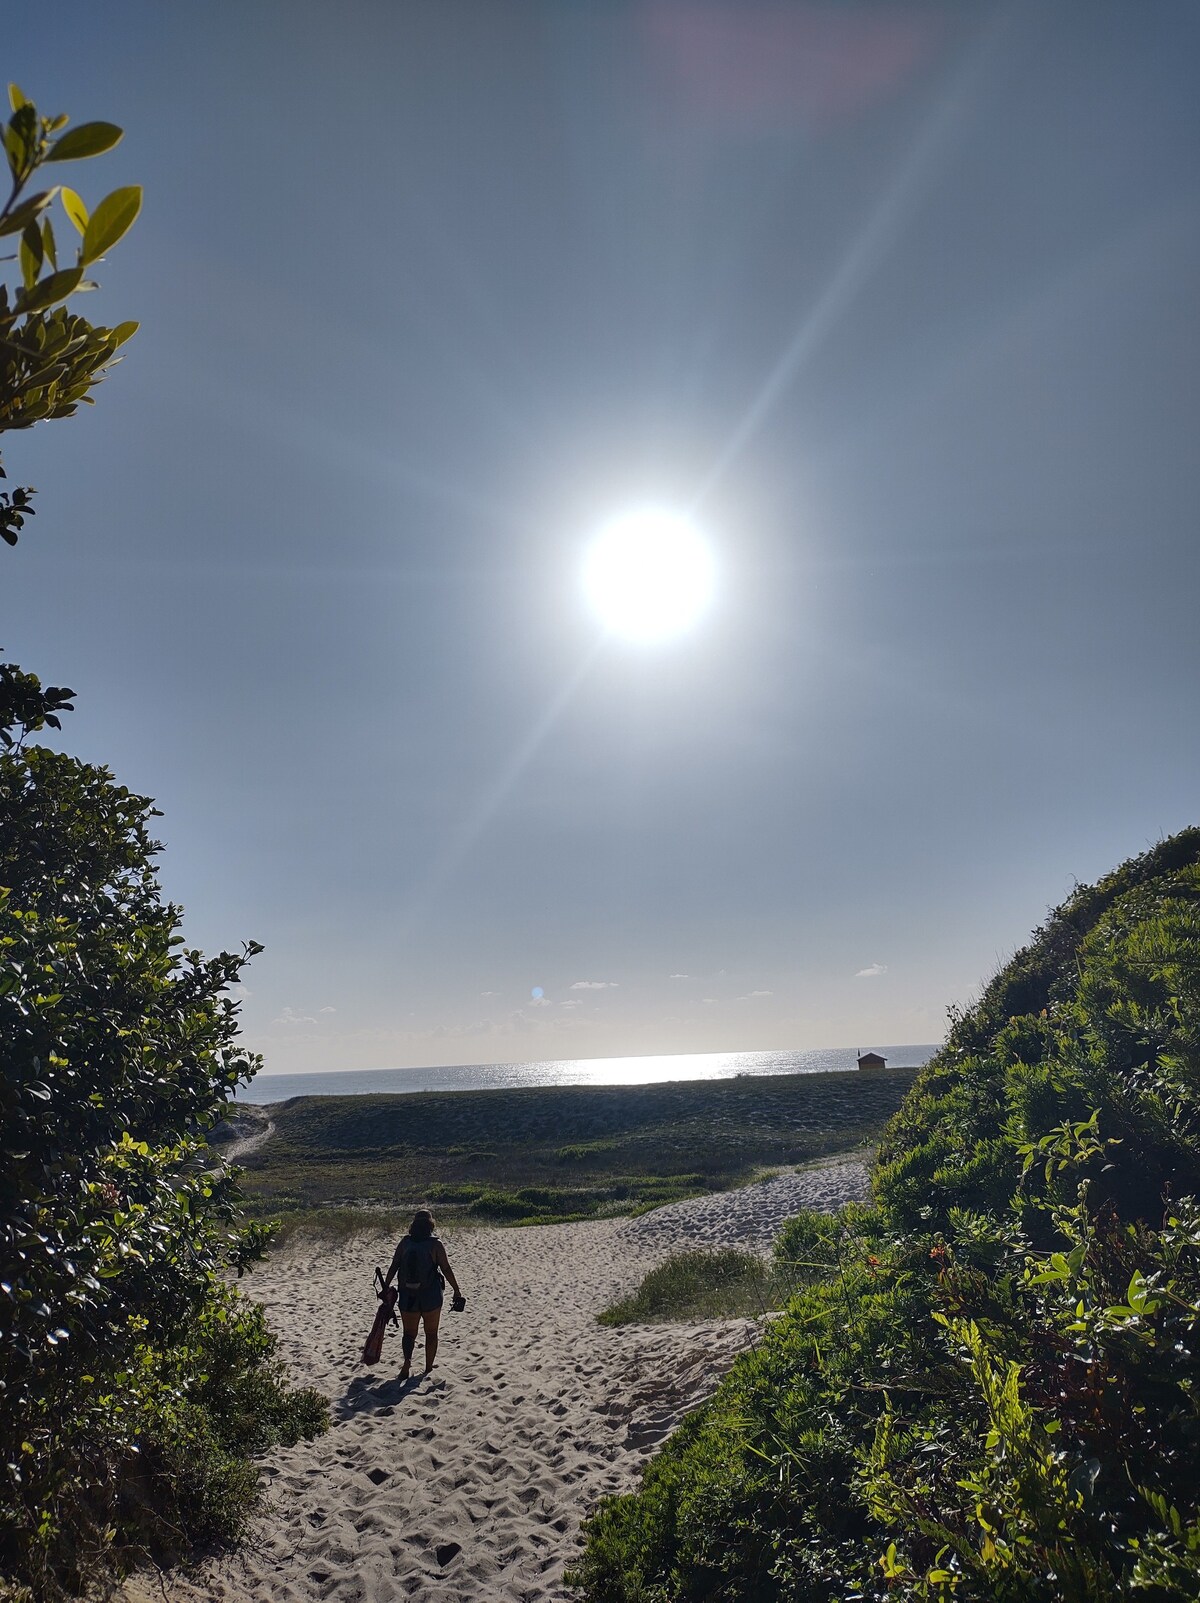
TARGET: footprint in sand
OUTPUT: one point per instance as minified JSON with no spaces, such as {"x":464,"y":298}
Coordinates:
{"x":428,"y":1525}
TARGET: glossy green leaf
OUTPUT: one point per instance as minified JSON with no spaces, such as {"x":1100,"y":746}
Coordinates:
{"x":49,"y":247}
{"x":74,"y":208}
{"x":89,"y":139}
{"x":124,"y":331}
{"x":110,"y":221}
{"x":28,"y":209}
{"x":21,"y":140}
{"x":31,"y":254}
{"x":15,"y":98}
{"x":14,"y":149}
{"x":51,"y":290}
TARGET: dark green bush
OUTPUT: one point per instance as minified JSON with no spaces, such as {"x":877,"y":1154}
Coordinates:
{"x":990,"y":1394}
{"x":225,"y":1400}
{"x":118,"y":1051}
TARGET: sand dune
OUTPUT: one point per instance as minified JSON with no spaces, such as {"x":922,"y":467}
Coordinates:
{"x":472,"y":1484}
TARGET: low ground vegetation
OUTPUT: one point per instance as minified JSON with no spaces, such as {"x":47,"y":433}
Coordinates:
{"x":537,"y":1155}
{"x":728,"y":1283}
{"x":699,"y":1285}
{"x":986,"y":1389}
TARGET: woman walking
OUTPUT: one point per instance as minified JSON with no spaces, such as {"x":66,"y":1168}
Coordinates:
{"x":419,"y":1262}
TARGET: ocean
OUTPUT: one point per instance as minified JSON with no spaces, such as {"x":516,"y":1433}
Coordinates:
{"x":573,"y":1071}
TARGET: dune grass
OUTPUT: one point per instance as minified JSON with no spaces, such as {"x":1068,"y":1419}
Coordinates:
{"x":551,"y":1154}
{"x":698,"y":1285}
{"x":726,"y":1283}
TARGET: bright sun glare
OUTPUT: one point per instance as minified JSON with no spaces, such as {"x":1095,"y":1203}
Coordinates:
{"x":649,"y":574}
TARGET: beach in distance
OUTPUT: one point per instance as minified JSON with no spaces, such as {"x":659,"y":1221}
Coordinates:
{"x":267,"y":1087}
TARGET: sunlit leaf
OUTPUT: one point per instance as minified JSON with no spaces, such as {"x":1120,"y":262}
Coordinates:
{"x":110,"y":221}
{"x":89,"y":139}
{"x":74,"y":208}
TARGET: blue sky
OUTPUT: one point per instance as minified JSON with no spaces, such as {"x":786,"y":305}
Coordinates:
{"x":899,"y":299}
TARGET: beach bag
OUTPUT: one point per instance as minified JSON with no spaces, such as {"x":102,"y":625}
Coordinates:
{"x":386,"y":1312}
{"x":418,"y":1268}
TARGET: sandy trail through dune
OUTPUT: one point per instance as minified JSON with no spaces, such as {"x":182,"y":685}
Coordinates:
{"x":472,"y":1484}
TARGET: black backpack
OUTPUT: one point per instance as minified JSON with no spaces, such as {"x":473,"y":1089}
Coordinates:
{"x":418,"y":1266}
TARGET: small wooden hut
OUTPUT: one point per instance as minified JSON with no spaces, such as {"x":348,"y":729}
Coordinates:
{"x":871,"y":1060}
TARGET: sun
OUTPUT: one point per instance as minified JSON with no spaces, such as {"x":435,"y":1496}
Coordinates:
{"x":649,"y":574}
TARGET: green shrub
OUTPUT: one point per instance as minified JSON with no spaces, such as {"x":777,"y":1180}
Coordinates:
{"x":224,"y":1400}
{"x":989,"y":1394}
{"x":582,"y":1151}
{"x":119,"y":1051}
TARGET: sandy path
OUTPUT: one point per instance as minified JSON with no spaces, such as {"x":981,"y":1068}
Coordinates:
{"x":246,"y":1132}
{"x":472,"y":1484}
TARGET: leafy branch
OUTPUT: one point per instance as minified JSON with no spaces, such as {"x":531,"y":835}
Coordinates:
{"x":50,"y":358}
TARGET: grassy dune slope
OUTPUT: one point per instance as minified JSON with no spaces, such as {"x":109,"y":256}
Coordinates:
{"x":563,"y":1151}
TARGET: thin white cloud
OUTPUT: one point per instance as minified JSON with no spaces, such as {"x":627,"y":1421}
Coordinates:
{"x":679,"y":976}
{"x":288,"y":1017}
{"x":594,"y":985}
{"x":750,"y":995}
{"x":872,"y":973}
{"x":327,"y":1010}
{"x":489,"y":993}
{"x":573,"y":1001}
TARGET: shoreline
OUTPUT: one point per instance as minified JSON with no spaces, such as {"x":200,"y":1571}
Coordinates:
{"x":627,"y":1073}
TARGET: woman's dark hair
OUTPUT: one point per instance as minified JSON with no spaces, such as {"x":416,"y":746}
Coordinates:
{"x":422,"y":1225}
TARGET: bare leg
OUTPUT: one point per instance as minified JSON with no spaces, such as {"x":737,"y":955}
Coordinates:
{"x":410,"y":1323}
{"x":432,"y":1318}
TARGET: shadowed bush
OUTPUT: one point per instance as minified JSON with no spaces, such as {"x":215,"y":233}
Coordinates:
{"x":133,"y":1383}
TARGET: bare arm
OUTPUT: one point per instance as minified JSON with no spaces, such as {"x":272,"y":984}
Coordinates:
{"x":395,"y":1263}
{"x":443,"y":1264}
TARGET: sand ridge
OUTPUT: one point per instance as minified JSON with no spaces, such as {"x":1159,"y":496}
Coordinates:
{"x":472,"y":1483}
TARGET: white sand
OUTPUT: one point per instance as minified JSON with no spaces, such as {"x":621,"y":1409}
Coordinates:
{"x":472,"y":1484}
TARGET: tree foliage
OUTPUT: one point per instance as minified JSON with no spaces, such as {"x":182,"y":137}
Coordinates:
{"x":50,"y":358}
{"x":135,"y":1382}
{"x":987,"y":1392}
{"x":123,"y":1354}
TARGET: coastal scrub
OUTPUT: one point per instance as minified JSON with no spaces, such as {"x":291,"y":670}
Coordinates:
{"x":986,"y":1391}
{"x":135,"y":1382}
